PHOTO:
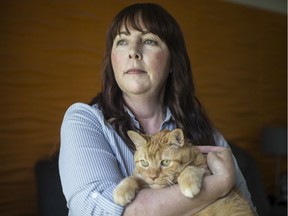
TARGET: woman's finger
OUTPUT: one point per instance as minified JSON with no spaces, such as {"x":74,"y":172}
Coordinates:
{"x":207,"y":149}
{"x":221,"y":163}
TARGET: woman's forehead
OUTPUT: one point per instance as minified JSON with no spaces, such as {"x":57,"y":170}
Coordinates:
{"x":140,"y":22}
{"x":129,"y":25}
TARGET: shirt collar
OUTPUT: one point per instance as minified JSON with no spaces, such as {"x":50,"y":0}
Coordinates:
{"x":168,"y":116}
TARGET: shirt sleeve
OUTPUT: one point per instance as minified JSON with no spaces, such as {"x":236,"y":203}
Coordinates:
{"x":240,"y":180}
{"x":88,"y":168}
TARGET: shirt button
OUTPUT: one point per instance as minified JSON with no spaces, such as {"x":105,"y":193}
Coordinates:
{"x":94,"y":195}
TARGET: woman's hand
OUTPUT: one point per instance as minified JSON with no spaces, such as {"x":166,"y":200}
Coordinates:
{"x":221,"y":165}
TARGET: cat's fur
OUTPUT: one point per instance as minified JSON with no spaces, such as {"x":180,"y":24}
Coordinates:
{"x":166,"y":158}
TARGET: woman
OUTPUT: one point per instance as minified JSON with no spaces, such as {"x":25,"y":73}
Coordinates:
{"x":147,"y":87}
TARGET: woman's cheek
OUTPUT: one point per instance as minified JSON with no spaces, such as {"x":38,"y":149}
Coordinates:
{"x":116,"y":60}
{"x":161,"y":61}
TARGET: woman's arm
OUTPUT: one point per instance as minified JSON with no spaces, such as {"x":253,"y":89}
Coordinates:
{"x":240,"y":182}
{"x":90,"y":170}
{"x":170,"y":201}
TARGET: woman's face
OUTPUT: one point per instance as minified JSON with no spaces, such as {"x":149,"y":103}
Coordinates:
{"x":140,"y":61}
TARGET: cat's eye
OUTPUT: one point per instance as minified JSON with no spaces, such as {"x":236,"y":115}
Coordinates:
{"x":165,"y":162}
{"x":144,"y":163}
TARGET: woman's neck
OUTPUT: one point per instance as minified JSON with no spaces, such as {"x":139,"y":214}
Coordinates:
{"x":149,"y":112}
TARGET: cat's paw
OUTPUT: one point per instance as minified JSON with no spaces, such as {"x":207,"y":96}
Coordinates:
{"x":190,"y":188}
{"x":190,"y":182}
{"x":123,"y":197}
{"x":124,"y":193}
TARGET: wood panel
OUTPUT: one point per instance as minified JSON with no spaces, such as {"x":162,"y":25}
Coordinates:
{"x":50,"y":56}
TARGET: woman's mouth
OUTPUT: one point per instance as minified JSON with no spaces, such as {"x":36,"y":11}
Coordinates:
{"x":135,"y":71}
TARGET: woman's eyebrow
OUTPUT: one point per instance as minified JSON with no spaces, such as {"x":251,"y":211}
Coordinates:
{"x":127,"y":33}
{"x":146,"y":32}
{"x":123,"y":32}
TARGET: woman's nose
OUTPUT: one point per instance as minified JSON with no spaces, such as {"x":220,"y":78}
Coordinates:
{"x":136,"y":56}
{"x":135,"y":53}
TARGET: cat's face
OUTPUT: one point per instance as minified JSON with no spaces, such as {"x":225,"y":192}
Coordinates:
{"x":160,"y":158}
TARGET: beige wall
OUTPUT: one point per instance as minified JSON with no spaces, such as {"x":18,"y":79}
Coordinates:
{"x":50,"y":55}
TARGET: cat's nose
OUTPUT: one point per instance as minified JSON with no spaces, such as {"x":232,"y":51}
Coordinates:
{"x":153,"y":176}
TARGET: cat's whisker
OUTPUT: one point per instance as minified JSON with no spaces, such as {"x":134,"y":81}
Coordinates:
{"x":170,"y":182}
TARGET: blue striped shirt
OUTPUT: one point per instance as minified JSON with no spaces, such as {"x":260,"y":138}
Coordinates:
{"x":94,"y":159}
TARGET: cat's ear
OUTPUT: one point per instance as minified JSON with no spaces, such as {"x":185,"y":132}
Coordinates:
{"x":176,"y":137}
{"x":136,"y":138}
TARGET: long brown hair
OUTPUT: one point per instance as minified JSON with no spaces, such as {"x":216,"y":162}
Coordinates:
{"x":180,"y":92}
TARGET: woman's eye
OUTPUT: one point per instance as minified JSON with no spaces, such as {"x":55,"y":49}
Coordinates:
{"x":150,"y":42}
{"x":121,"y":42}
{"x":165,"y":162}
{"x":144,"y":163}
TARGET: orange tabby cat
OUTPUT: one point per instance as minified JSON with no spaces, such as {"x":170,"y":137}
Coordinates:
{"x":166,"y":158}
